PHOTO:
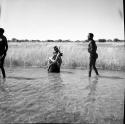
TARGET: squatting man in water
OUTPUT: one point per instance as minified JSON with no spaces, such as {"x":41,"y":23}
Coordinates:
{"x":3,"y":51}
{"x":54,"y":62}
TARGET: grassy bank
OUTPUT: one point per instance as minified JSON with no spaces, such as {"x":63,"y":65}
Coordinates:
{"x":75,"y":55}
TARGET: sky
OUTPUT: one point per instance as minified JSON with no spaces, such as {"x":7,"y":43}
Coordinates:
{"x":62,"y":19}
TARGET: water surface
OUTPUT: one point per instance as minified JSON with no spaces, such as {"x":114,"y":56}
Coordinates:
{"x":33,"y":95}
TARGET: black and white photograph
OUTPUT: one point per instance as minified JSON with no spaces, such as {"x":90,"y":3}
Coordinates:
{"x":62,"y":61}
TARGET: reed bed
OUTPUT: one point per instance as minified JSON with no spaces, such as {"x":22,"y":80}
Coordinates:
{"x":75,"y":55}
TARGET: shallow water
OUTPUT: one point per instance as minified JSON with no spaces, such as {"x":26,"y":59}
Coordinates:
{"x":32,"y":95}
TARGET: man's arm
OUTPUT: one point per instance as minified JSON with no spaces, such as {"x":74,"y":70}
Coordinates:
{"x":57,"y":57}
{"x":90,"y":48}
{"x":6,"y":46}
{"x":51,"y":59}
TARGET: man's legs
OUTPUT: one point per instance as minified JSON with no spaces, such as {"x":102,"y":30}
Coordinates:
{"x":2,"y":67}
{"x":90,"y":66}
{"x":3,"y":72}
{"x":94,"y":67}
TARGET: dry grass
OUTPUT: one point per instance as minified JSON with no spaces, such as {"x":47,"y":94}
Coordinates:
{"x":111,"y":56}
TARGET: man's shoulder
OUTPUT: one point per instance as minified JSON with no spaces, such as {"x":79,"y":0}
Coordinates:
{"x":91,"y":42}
{"x":3,"y":38}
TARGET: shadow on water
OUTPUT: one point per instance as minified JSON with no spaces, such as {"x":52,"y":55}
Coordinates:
{"x":67,"y":72}
{"x":21,"y":78}
{"x":111,"y":77}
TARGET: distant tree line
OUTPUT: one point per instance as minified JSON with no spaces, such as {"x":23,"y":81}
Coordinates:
{"x":60,"y":40}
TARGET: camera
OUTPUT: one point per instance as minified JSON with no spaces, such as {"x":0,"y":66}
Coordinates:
{"x":61,"y":54}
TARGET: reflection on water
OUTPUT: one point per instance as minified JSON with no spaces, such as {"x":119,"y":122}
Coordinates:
{"x":55,"y":77}
{"x":92,"y":86}
{"x":55,"y":81}
{"x":2,"y":84}
{"x":90,"y":101}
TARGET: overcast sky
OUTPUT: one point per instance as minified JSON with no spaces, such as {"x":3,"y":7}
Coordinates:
{"x":62,"y":19}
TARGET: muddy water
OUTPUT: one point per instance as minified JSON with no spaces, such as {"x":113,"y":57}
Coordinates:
{"x":32,"y":95}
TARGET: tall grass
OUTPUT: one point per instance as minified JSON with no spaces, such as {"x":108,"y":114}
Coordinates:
{"x":75,"y":55}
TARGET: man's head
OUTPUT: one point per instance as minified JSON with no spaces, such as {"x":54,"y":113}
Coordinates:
{"x":90,"y":36}
{"x":56,"y":49}
{"x":1,"y":31}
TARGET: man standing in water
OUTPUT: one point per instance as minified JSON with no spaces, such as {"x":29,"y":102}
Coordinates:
{"x":93,"y":55}
{"x":3,"y":50}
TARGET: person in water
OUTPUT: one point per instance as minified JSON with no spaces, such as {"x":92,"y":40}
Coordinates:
{"x":3,"y":51}
{"x":54,"y":62}
{"x":93,"y":55}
